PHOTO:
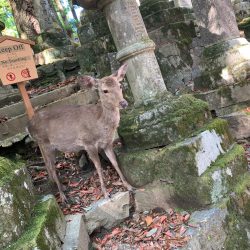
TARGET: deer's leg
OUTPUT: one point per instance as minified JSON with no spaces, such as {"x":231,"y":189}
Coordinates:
{"x":46,"y":163}
{"x":49,"y":158}
{"x":111,"y":155}
{"x":93,"y":155}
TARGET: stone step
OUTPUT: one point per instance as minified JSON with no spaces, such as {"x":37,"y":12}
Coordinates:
{"x":46,"y":228}
{"x":192,"y":156}
{"x":168,"y":121}
{"x":16,"y":200}
{"x":199,"y":171}
{"x":227,"y":99}
{"x":14,"y":130}
{"x":76,"y":236}
{"x":239,"y":124}
{"x":38,"y":101}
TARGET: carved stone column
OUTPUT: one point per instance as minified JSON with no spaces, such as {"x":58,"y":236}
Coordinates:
{"x":135,"y":48}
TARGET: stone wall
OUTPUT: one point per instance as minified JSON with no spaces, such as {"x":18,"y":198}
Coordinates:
{"x":97,"y":46}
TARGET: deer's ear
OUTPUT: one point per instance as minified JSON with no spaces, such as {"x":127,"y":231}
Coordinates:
{"x":87,"y":82}
{"x":120,"y":73}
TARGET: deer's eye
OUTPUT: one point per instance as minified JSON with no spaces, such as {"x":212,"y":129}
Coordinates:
{"x":105,"y":91}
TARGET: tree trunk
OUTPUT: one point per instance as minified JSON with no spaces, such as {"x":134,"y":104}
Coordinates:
{"x":67,"y":26}
{"x":33,"y":17}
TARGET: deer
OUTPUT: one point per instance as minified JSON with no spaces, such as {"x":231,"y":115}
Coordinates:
{"x":72,"y":128}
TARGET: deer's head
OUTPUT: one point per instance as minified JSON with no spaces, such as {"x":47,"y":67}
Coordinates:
{"x":109,"y":88}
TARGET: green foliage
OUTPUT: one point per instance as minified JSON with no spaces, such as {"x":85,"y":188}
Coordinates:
{"x":7,"y":17}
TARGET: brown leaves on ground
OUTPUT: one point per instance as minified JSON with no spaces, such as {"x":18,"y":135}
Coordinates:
{"x":81,"y":188}
{"x":155,"y":230}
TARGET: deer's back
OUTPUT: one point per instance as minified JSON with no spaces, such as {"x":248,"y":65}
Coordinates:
{"x":68,"y":128}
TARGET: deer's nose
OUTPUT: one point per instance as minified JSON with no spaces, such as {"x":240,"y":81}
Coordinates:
{"x":124,"y":104}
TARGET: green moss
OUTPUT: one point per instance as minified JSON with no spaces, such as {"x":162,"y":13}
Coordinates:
{"x":222,"y":128}
{"x":161,"y":122}
{"x":237,"y":228}
{"x":44,"y":217}
{"x":225,"y":92}
{"x":243,"y":184}
{"x":7,"y":169}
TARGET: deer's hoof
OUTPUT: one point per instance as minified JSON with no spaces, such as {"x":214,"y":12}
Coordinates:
{"x":63,"y":198}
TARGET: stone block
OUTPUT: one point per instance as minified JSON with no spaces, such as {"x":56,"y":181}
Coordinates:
{"x":16,"y":200}
{"x":226,"y":99}
{"x":210,"y":232}
{"x":162,"y":123}
{"x":76,"y":233}
{"x":195,"y":153}
{"x":158,"y":194}
{"x":239,"y":124}
{"x":46,"y":229}
{"x":240,"y":199}
{"x":219,"y":180}
{"x":108,"y":213}
{"x":200,"y":170}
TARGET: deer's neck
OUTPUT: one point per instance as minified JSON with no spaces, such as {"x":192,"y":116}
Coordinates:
{"x":110,"y":117}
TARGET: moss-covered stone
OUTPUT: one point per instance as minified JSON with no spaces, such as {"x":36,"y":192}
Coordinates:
{"x":162,"y":123}
{"x":218,"y":181}
{"x":16,"y":200}
{"x":46,"y":229}
{"x":240,"y":200}
{"x":201,"y":174}
{"x":236,"y":226}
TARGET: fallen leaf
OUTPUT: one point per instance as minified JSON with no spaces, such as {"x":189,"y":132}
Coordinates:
{"x":149,"y":220}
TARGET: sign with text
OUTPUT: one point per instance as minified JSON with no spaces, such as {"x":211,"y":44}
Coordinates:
{"x":16,"y":61}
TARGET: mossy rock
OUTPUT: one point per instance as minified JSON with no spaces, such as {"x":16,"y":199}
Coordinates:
{"x":240,"y":199}
{"x":162,"y":123}
{"x":16,"y":200}
{"x":216,"y":183}
{"x":46,"y":229}
{"x":236,"y":225}
{"x":200,"y":168}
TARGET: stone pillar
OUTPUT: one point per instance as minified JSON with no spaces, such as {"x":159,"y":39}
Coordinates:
{"x":135,"y":48}
{"x":221,"y":57}
{"x":216,"y":20}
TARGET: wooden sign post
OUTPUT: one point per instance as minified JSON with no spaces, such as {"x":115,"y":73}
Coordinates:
{"x":17,"y":66}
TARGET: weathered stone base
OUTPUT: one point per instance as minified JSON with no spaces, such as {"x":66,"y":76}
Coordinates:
{"x":46,"y":229}
{"x":162,"y":123}
{"x":198,"y":170}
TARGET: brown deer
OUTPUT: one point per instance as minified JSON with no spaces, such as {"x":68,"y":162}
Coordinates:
{"x":84,"y":127}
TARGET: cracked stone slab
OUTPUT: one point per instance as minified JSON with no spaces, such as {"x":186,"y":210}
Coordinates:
{"x":108,"y":213}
